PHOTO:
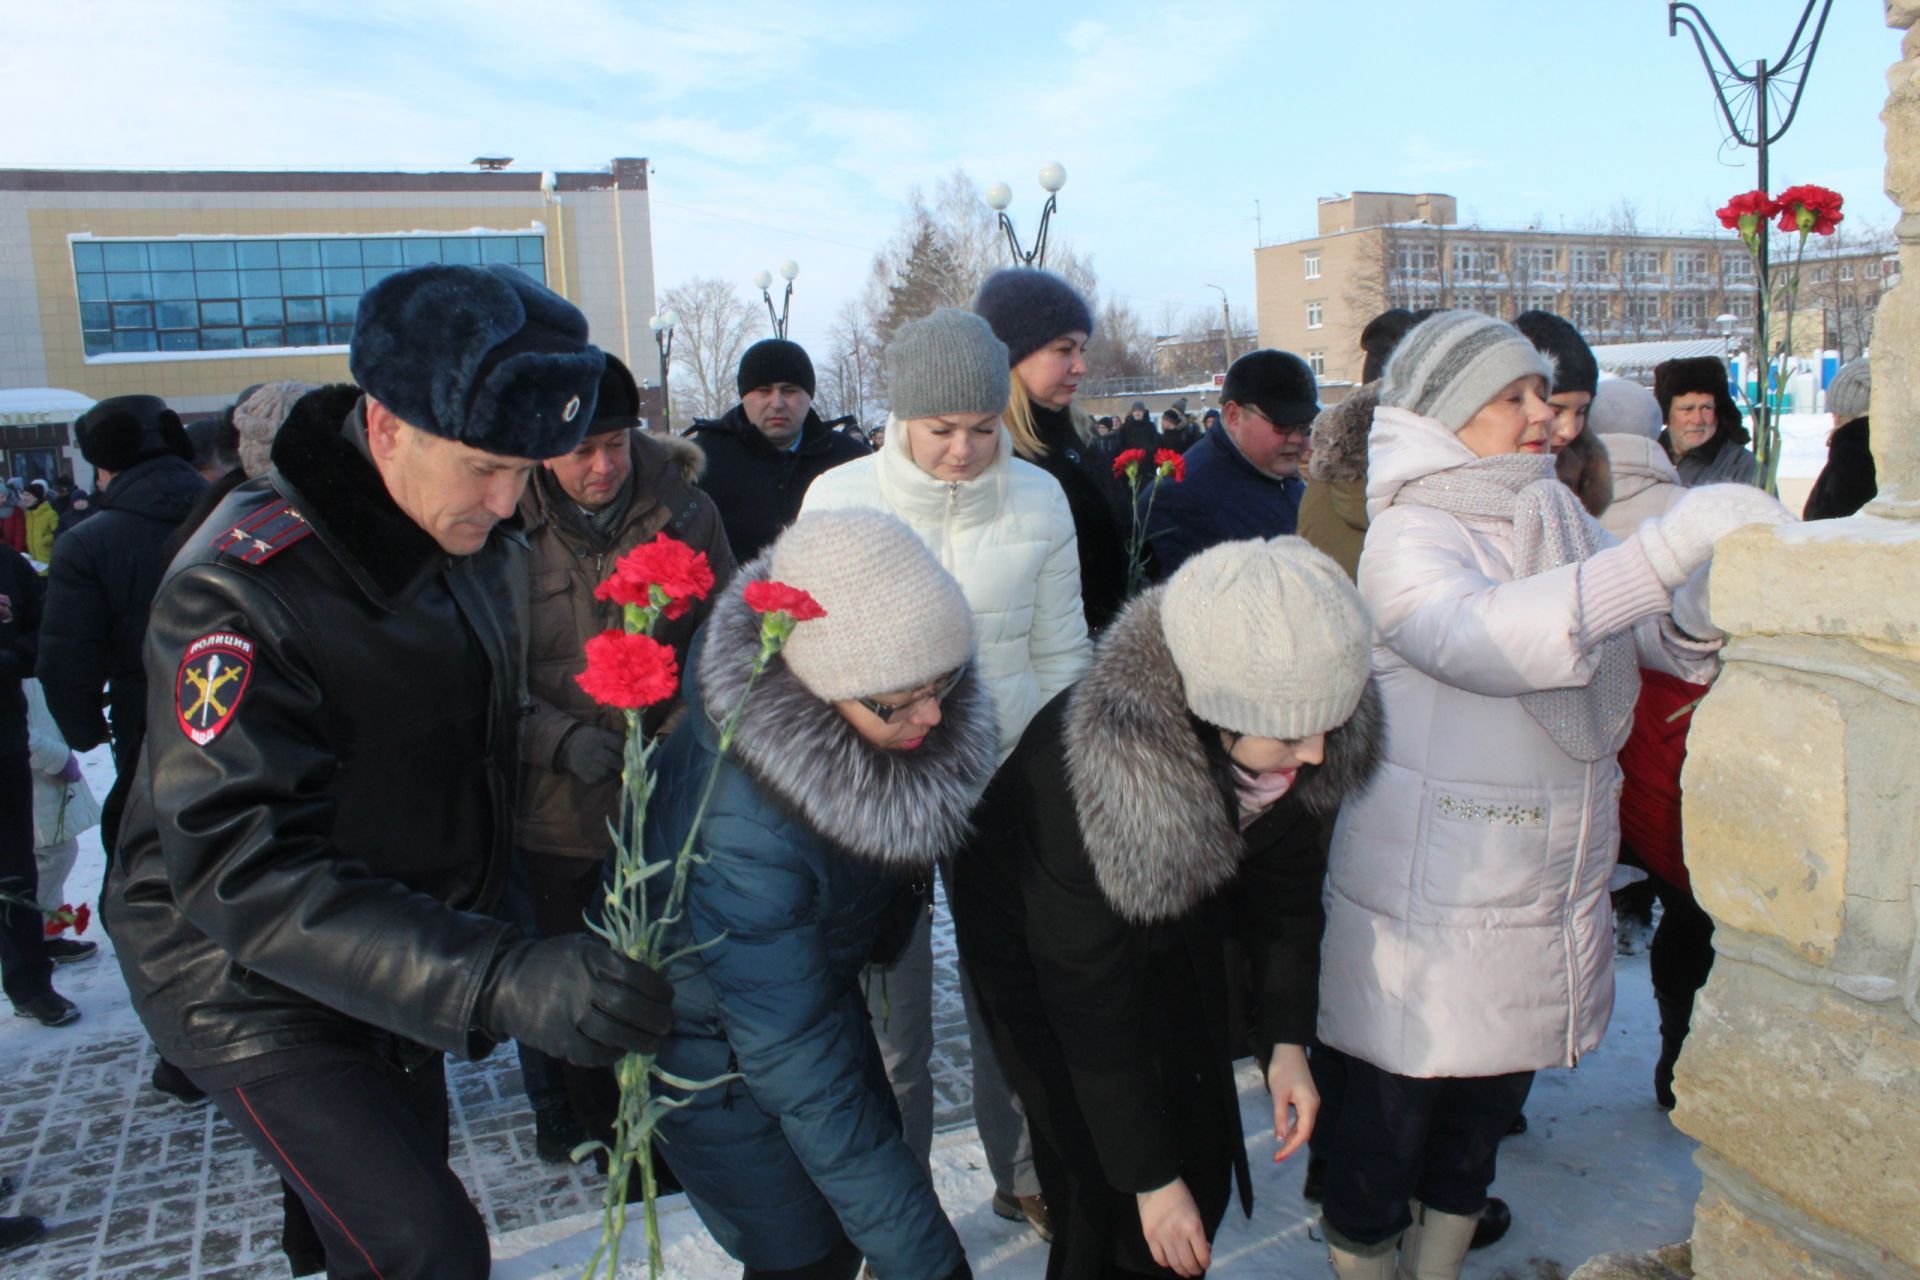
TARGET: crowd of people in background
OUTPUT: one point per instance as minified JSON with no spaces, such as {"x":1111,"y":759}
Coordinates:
{"x":1326,"y":742}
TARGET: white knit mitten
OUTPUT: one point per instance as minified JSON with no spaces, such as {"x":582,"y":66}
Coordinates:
{"x":1683,"y":539}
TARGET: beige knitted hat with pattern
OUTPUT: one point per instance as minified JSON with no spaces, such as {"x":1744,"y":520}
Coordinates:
{"x":895,"y":619}
{"x":1270,"y":638}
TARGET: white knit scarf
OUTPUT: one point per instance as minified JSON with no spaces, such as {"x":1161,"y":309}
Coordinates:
{"x":1549,"y":530}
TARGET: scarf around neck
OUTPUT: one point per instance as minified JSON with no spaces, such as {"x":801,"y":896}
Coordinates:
{"x":1550,"y":530}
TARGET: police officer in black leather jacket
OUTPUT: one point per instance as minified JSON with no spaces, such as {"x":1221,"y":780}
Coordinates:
{"x":307,"y":895}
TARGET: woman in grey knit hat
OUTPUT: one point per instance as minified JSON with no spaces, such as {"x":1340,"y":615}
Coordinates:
{"x":1172,"y":798}
{"x":1469,"y":938}
{"x":1002,"y":527}
{"x":858,"y":757}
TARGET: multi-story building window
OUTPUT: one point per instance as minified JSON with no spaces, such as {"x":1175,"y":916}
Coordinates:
{"x":1689,"y":309}
{"x":1642,"y":313}
{"x":1534,"y":260}
{"x":202,"y":295}
{"x":1689,"y":266}
{"x":1485,"y":303}
{"x":1533,"y":302}
{"x":1316,"y":314}
{"x":1589,"y":264}
{"x":1641,"y":262}
{"x":1317,"y":361}
{"x":1312,"y":261}
{"x":1736,"y":266}
{"x":1740,"y":306}
{"x":1416,"y":258}
{"x":1846,"y":271}
{"x":1873,"y":269}
{"x":1475,"y":259}
{"x":1592,"y":314}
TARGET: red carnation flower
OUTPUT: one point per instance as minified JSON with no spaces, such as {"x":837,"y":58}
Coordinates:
{"x":1168,"y":463}
{"x":1757,"y":205}
{"x":1130,"y":458}
{"x":55,"y":926}
{"x":680,"y":572}
{"x":66,"y":916}
{"x":777,"y":597}
{"x":1809,"y":208}
{"x":629,"y":671}
{"x":82,"y":916}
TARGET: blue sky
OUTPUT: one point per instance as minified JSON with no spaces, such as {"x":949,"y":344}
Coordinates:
{"x":794,"y":130}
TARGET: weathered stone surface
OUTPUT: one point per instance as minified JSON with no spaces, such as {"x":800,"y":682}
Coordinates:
{"x":1674,"y":1262}
{"x":1896,"y":347}
{"x":1844,"y":579}
{"x":1766,"y":788}
{"x":1730,"y":1242}
{"x":1814,"y":1097}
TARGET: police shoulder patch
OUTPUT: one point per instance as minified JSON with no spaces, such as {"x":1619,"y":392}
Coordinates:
{"x":213,"y":677}
{"x":264,"y":534}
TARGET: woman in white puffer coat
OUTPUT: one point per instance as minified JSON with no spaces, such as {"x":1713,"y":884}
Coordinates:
{"x":1469,"y":937}
{"x":1002,"y":527}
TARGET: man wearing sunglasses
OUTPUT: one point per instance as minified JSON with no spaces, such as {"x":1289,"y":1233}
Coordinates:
{"x":1243,"y":477}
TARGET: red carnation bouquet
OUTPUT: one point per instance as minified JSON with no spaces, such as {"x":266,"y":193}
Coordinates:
{"x":629,"y":669}
{"x":57,"y":921}
{"x":1807,"y":210}
{"x":1130,"y":466}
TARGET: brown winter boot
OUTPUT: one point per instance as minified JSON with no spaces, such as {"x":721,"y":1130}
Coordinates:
{"x":1435,"y":1246}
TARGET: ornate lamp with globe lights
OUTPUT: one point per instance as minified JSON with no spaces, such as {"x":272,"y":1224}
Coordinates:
{"x":764,"y":281}
{"x":663,"y":326}
{"x":1000,"y":195}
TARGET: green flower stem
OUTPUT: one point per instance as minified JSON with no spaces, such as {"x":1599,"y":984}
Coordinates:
{"x":629,"y":928}
{"x":1137,"y":537}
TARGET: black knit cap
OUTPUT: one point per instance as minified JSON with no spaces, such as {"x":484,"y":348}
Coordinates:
{"x":772,"y":360}
{"x":124,"y":431}
{"x":487,"y":356}
{"x":1277,"y":383}
{"x":1574,"y":368}
{"x":618,"y":407}
{"x":1029,"y":308}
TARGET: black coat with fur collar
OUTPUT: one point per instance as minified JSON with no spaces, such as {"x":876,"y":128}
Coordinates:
{"x":319,"y":864}
{"x":1091,"y":911}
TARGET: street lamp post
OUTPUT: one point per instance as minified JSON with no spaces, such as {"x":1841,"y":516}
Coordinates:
{"x":1000,"y":195}
{"x":663,"y":326}
{"x":1753,"y":91}
{"x":764,"y":280}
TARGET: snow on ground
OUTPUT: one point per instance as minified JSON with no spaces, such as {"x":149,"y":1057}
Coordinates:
{"x":1601,"y":1168}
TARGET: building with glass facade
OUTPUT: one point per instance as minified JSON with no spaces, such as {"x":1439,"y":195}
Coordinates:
{"x":195,"y":285}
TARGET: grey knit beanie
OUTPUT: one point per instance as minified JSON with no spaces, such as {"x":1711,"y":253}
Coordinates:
{"x":1622,"y":407}
{"x":1847,"y":394}
{"x":258,"y":418}
{"x":1271,"y":638}
{"x":895,"y":619}
{"x":948,"y":362}
{"x":1451,"y":365}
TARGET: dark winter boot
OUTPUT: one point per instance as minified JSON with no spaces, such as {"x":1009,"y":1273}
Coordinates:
{"x":1675,"y":1016}
{"x":1495,"y":1221}
{"x":556,"y":1132}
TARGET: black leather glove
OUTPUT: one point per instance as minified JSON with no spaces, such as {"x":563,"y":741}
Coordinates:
{"x":577,"y":999}
{"x":591,"y":755}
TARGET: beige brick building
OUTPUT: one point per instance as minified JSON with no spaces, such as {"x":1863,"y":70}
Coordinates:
{"x":194,"y":285}
{"x":1380,"y":249}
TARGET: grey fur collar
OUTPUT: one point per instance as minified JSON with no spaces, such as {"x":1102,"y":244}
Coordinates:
{"x":1153,"y":820}
{"x":1340,"y":437}
{"x":903,"y":809}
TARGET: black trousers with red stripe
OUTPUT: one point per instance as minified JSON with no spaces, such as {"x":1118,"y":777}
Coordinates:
{"x":363,"y":1139}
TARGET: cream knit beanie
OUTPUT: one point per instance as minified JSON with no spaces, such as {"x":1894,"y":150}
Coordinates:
{"x":895,"y":619}
{"x":1270,"y":638}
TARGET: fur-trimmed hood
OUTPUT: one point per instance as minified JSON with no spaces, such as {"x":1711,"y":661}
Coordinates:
{"x":1152,"y":817}
{"x":1339,"y":436}
{"x":904,"y":809}
{"x":663,"y":466}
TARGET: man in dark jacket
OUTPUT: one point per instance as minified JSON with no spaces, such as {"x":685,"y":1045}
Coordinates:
{"x":1243,"y":477}
{"x":764,"y":452}
{"x":102,"y":579}
{"x":305,"y":895}
{"x":618,"y":489}
{"x":25,"y":963}
{"x":1705,"y":436}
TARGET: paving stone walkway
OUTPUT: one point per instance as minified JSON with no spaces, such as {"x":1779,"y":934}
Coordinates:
{"x":134,"y":1185}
